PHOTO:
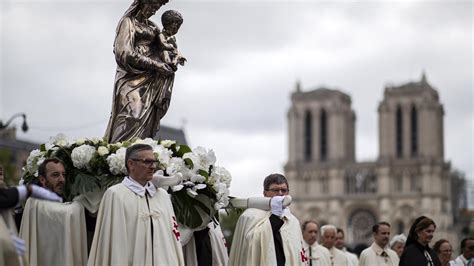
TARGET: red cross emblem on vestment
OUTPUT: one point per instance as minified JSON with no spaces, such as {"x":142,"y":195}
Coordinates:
{"x":304,"y":258}
{"x":176,"y":232}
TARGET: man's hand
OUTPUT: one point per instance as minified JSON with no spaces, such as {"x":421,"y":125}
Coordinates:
{"x":42,"y":193}
{"x":276,"y":204}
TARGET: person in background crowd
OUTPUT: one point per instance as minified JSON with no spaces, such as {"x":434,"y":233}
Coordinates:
{"x":317,"y":254}
{"x":379,"y":253}
{"x":417,"y":251}
{"x":444,"y":250}
{"x":328,"y":235}
{"x":351,"y":257}
{"x":466,"y":258}
{"x":397,"y":244}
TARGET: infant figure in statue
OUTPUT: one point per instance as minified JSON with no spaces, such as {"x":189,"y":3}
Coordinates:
{"x":170,"y":55}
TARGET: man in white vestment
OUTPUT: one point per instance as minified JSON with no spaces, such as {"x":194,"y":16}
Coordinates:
{"x":136,"y":224}
{"x":54,"y":233}
{"x":268,"y":237}
{"x":351,"y":257}
{"x":317,"y":254}
{"x":13,"y":248}
{"x":328,"y":236}
{"x":467,"y":252}
{"x":379,"y":252}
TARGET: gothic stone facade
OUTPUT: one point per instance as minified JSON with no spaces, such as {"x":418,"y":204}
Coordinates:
{"x":408,"y":179}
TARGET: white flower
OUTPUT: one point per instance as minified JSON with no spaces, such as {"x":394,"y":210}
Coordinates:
{"x":167,"y":143}
{"x":95,"y":140}
{"x":200,"y":186}
{"x":175,"y":164}
{"x":116,"y":162}
{"x":198,"y":179}
{"x":206,"y":157}
{"x":102,"y":150}
{"x":60,"y":140}
{"x":32,"y":160}
{"x":220,"y":175}
{"x":82,"y":155}
{"x":80,"y":141}
{"x":149,"y":141}
{"x":163,"y":154}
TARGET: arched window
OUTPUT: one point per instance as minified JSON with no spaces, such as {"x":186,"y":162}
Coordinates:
{"x":414,"y":132}
{"x":323,"y":136}
{"x":399,"y":132}
{"x":308,"y":134}
{"x":360,"y":226}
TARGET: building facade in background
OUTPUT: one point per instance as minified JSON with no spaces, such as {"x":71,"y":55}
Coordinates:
{"x":409,"y":178}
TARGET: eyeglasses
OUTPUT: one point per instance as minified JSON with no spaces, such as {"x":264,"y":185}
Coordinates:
{"x":283,"y":190}
{"x":147,"y":162}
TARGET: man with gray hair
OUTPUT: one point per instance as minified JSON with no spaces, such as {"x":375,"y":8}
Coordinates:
{"x":328,"y":235}
{"x":136,"y":224}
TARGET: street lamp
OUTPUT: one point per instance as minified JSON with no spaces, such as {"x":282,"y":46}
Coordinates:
{"x":24,"y":126}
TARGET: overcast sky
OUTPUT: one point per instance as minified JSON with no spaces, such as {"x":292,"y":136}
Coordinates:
{"x":244,"y":58}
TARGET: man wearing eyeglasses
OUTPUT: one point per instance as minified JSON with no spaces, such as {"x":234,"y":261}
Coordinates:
{"x":269,"y":237}
{"x":136,"y":224}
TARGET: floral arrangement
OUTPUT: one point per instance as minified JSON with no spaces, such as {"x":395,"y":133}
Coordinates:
{"x":94,"y":165}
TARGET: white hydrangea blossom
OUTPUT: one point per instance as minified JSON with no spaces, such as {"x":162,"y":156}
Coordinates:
{"x":116,"y":162}
{"x":32,"y":160}
{"x":102,"y":150}
{"x":82,"y":155}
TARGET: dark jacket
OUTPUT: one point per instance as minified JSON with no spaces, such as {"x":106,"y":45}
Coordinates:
{"x":413,"y":255}
{"x":8,"y":198}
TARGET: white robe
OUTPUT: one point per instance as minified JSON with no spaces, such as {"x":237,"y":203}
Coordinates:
{"x":338,"y":258}
{"x":253,"y":240}
{"x":218,"y":244}
{"x":8,"y":255}
{"x":123,"y":233}
{"x":54,"y":233}
{"x":320,"y":255}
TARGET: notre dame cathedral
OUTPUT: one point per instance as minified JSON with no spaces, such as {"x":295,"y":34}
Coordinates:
{"x":409,"y":178}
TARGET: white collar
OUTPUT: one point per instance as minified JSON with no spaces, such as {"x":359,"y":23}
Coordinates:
{"x":137,"y":188}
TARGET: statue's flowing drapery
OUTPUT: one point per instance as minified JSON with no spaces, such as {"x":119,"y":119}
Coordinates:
{"x":141,"y":94}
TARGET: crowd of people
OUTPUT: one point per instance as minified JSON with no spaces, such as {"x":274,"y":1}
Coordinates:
{"x":136,"y":225}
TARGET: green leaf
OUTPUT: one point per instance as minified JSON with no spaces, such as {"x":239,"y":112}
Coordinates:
{"x":183,"y":206}
{"x":189,"y":163}
{"x":43,"y":147}
{"x":203,"y":173}
{"x":183,"y":149}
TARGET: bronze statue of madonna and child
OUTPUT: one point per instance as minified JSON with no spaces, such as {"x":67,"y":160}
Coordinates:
{"x":147,"y":59}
